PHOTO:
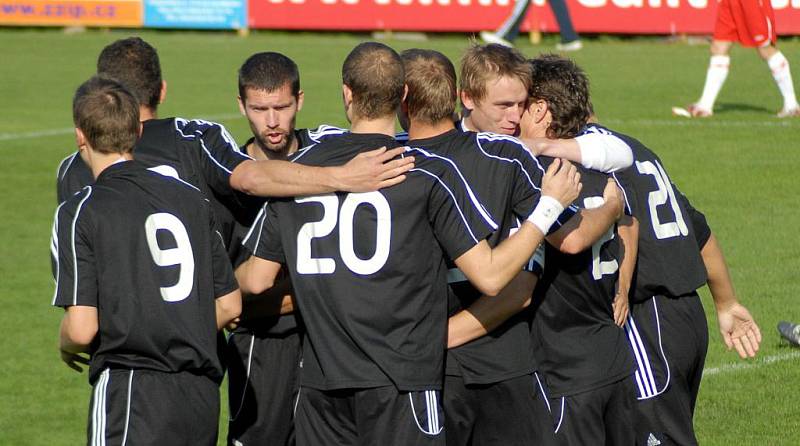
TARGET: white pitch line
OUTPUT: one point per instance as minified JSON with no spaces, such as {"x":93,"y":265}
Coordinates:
{"x":727,"y":368}
{"x":703,"y":122}
{"x":67,"y":131}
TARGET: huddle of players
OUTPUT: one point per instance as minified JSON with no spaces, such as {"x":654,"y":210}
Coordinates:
{"x":368,"y":269}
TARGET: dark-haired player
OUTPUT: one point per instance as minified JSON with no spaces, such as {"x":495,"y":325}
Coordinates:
{"x":667,"y":329}
{"x":264,"y":351}
{"x":369,"y":274}
{"x":205,"y":154}
{"x":578,"y":306}
{"x":491,"y":394}
{"x":143,"y":276}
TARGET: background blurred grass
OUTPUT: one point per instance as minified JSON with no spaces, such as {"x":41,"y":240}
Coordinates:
{"x":737,"y":167}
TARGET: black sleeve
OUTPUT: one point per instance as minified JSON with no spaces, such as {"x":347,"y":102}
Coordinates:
{"x":76,"y":273}
{"x":458,"y":219}
{"x":73,"y":175}
{"x":224,"y":279}
{"x":264,"y":238}
{"x":702,"y":232}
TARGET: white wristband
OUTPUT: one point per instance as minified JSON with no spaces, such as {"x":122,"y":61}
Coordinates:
{"x":546,"y":213}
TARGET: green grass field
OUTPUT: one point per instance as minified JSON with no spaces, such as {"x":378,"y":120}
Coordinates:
{"x":737,"y":167}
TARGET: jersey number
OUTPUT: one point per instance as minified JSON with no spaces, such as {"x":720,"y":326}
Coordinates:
{"x":600,"y":268}
{"x":306,"y":264}
{"x":659,"y":197}
{"x":180,"y":255}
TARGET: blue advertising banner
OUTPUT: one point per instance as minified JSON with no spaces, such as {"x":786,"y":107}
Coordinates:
{"x":208,"y":14}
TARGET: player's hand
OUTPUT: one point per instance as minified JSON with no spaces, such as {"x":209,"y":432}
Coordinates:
{"x":739,"y":330}
{"x":562,"y":182}
{"x":620,"y":306}
{"x":72,"y":360}
{"x":613,"y":195}
{"x":373,"y":170}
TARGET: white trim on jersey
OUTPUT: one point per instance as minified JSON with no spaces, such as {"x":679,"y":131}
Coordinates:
{"x":54,"y":249}
{"x":128,"y":409}
{"x":450,"y":192}
{"x":300,"y":153}
{"x":198,"y":135}
{"x":541,"y":389}
{"x":262,"y":214}
{"x":624,"y":193}
{"x":99,"y":409}
{"x":233,"y":415}
{"x":59,"y":174}
{"x":74,"y":253}
{"x":325,"y":130}
{"x":297,"y":401}
{"x":561,"y":418}
{"x":475,"y":202}
{"x":496,"y":137}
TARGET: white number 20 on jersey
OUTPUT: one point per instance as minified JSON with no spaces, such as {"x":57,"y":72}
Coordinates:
{"x":180,"y":255}
{"x":659,"y":197}
{"x":306,"y":264}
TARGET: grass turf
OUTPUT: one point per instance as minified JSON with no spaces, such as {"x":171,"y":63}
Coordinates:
{"x":737,"y":167}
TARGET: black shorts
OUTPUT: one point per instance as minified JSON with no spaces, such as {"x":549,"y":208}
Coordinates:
{"x":511,"y":412}
{"x":262,"y":388}
{"x":599,"y":416}
{"x":144,"y":407}
{"x":669,"y":339}
{"x":378,"y":416}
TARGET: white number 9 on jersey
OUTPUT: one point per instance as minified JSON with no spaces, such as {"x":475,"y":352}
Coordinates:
{"x":180,"y":255}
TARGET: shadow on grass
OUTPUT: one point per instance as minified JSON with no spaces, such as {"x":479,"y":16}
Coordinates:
{"x":722,"y":108}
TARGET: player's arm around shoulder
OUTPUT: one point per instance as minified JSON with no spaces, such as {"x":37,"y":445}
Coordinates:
{"x":603,"y":152}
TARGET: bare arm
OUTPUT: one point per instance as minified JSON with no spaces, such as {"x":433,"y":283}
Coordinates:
{"x":487,"y":313}
{"x":366,"y":172}
{"x":628,"y":230}
{"x":228,"y":308}
{"x":602,"y":152}
{"x":79,"y":327}
{"x":585,"y":228}
{"x":490,"y":270}
{"x":738,"y":328}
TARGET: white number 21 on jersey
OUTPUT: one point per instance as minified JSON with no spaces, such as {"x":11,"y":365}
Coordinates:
{"x":306,"y":264}
{"x":180,"y":255}
{"x":659,"y":197}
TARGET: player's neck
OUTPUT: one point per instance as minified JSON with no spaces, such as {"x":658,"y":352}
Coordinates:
{"x":101,"y":161}
{"x":146,"y":113}
{"x":466,"y":119}
{"x":384,"y":126}
{"x":419,"y":130}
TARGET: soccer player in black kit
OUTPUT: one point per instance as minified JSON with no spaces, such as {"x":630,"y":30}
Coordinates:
{"x":667,"y":328}
{"x":578,"y":308}
{"x":490,"y":393}
{"x":263,"y":353}
{"x":206,"y":155}
{"x":146,"y":284}
{"x":369,"y":274}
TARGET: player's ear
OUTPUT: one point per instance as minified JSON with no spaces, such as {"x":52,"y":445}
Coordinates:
{"x":241,"y":105}
{"x":162,"y":95}
{"x":300,"y":97}
{"x":540,"y":109}
{"x":405,"y":92}
{"x":347,"y":96}
{"x":80,"y":139}
{"x":466,"y":100}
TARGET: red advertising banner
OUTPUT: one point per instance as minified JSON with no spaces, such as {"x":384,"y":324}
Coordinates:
{"x":122,"y":13}
{"x":602,"y":16}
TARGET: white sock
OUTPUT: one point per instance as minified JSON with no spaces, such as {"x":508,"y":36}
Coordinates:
{"x":715,"y":78}
{"x":783,"y":78}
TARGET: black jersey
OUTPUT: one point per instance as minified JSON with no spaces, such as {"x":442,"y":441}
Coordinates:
{"x":576,"y":343}
{"x":278,"y":324}
{"x":142,"y":248}
{"x":507,"y":179}
{"x":669,"y":261}
{"x":368,"y":268}
{"x":202,"y":153}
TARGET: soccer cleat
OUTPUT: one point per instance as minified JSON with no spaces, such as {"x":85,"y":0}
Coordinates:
{"x":691,"y":111}
{"x":789,"y":113}
{"x":790,"y":332}
{"x":574,"y":45}
{"x":490,"y":37}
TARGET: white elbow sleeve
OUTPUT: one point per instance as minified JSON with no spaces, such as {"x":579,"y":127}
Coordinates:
{"x":603,"y":152}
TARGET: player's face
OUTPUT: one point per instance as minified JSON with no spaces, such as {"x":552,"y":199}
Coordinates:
{"x":501,"y":109}
{"x":272,"y":116}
